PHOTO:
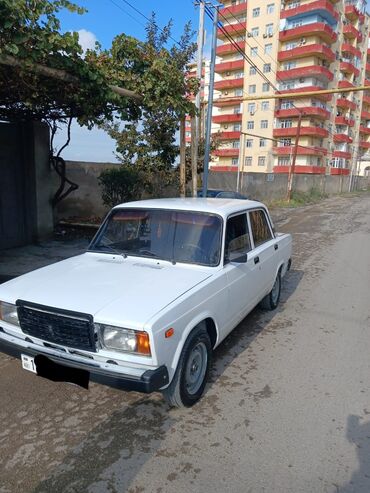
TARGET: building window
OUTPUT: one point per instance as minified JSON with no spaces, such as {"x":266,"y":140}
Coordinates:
{"x":287,"y":104}
{"x":264,"y":123}
{"x":263,"y":142}
{"x":286,"y":142}
{"x":237,"y":127}
{"x":254,"y":51}
{"x":254,"y":32}
{"x":261,"y":160}
{"x":252,"y":108}
{"x":283,"y":161}
{"x":265,"y":87}
{"x":266,"y":68}
{"x":239,"y":56}
{"x":237,"y":110}
{"x":188,"y":134}
{"x":252,"y":89}
{"x":265,"y":105}
{"x":236,"y":144}
{"x":286,"y":123}
{"x":238,"y":75}
{"x":256,"y":12}
{"x":270,"y":8}
{"x":248,"y":161}
{"x":234,"y":161}
{"x":238,"y":92}
{"x":268,"y":49}
{"x":250,"y":125}
{"x":289,"y":65}
{"x":252,"y":70}
{"x":269,"y":29}
{"x":249,"y":143}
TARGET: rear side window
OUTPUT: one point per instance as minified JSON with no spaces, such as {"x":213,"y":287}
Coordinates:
{"x":260,"y":227}
{"x":237,"y":240}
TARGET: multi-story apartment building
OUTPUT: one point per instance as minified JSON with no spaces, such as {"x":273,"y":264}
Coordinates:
{"x":293,"y":46}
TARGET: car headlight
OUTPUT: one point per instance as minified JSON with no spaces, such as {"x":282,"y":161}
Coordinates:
{"x":8,"y":313}
{"x":127,"y":340}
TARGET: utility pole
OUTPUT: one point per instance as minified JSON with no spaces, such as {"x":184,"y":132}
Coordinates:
{"x":182,"y":158}
{"x":210,"y":102}
{"x":292,"y":166}
{"x":241,"y":159}
{"x":196,"y":128}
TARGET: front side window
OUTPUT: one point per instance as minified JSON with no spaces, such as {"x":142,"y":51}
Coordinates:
{"x":177,"y":236}
{"x":260,"y":227}
{"x":237,"y":240}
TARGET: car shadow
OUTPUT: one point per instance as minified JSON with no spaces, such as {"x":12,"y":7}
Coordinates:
{"x":249,"y":328}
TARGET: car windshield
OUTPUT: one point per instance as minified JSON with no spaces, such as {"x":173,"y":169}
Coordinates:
{"x":177,"y":236}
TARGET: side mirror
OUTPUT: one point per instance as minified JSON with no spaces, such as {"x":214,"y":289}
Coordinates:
{"x":241,"y":259}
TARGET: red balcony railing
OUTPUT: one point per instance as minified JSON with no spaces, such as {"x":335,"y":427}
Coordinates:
{"x":228,"y":48}
{"x":345,"y":83}
{"x":223,"y":102}
{"x":227,"y":135}
{"x":310,"y":7}
{"x":365,"y":115}
{"x":314,"y":49}
{"x":304,"y":89}
{"x":226,"y":152}
{"x":342,"y":120}
{"x":229,"y":66}
{"x":229,"y":118}
{"x":366,"y":99}
{"x":351,"y":12}
{"x":347,"y":48}
{"x":345,"y":103}
{"x":350,"y":32}
{"x":292,"y":132}
{"x":302,"y":151}
{"x":306,"y":111}
{"x":364,"y":130}
{"x":232,"y":10}
{"x":343,"y":154}
{"x":307,"y":71}
{"x":312,"y":170}
{"x":324,"y":31}
{"x":348,"y":68}
{"x":221,"y":85}
{"x":341,"y":138}
{"x":232,"y":29}
{"x":364,"y":144}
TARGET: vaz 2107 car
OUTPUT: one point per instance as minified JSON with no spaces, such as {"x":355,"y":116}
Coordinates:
{"x":161,"y":285}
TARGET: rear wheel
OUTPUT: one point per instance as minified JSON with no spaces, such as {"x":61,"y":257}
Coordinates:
{"x":192,"y":371}
{"x":271,"y":300}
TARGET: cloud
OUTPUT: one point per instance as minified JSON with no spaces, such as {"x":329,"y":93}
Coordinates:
{"x":87,"y":39}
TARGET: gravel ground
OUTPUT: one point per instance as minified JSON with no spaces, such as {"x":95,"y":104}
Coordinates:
{"x":287,"y":408}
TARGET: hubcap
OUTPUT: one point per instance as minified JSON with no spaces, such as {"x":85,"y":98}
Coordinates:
{"x":196,"y":368}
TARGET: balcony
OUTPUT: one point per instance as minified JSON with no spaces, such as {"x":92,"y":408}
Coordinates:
{"x":320,"y":29}
{"x":342,"y":120}
{"x":228,"y":48}
{"x":307,"y":71}
{"x":346,"y":104}
{"x":367,"y":67}
{"x":302,"y":90}
{"x":232,"y":10}
{"x":312,"y":170}
{"x":350,"y":32}
{"x":364,"y":130}
{"x":227,"y":135}
{"x":321,"y":7}
{"x":232,"y":29}
{"x":229,"y":66}
{"x":221,"y":85}
{"x":223,"y":102}
{"x":345,"y":83}
{"x":301,"y":151}
{"x":347,"y":48}
{"x":366,"y":100}
{"x":292,"y":132}
{"x":348,"y":68}
{"x":314,"y":49}
{"x":226,"y":152}
{"x":351,"y":12}
{"x":364,"y":144}
{"x":306,"y":111}
{"x":342,"y":138}
{"x":365,"y":115}
{"x":343,"y":154}
{"x":339,"y":171}
{"x":227,"y":118}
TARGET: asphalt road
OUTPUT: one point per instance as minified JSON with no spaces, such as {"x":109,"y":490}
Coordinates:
{"x":287,"y":410}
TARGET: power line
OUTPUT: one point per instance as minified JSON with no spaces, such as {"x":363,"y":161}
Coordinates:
{"x":127,"y":13}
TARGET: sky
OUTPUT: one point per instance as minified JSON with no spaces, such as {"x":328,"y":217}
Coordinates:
{"x":103,"y":21}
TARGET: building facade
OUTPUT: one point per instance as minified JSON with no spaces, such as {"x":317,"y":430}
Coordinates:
{"x":295,"y":46}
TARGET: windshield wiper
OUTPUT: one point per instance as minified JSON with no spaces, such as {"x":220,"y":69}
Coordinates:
{"x":113,"y":250}
{"x":149,"y":253}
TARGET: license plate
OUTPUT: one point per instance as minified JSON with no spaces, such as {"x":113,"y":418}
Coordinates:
{"x":28,"y":363}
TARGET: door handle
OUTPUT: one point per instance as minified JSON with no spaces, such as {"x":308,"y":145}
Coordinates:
{"x":276,"y":246}
{"x":256,"y":260}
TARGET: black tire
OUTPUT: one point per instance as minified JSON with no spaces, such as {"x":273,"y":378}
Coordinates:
{"x":271,"y":300}
{"x":182,"y":392}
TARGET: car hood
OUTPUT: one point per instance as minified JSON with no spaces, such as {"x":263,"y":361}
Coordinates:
{"x":113,"y":289}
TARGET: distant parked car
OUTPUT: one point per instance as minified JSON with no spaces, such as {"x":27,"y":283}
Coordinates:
{"x":222,"y":194}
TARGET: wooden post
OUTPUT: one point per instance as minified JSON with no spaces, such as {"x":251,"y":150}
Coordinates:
{"x":292,"y":166}
{"x":194,"y":156}
{"x":182,"y":158}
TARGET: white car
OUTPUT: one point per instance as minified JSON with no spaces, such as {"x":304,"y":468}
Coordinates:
{"x":161,"y":285}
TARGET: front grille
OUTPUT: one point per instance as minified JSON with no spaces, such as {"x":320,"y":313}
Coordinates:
{"x":62,"y":327}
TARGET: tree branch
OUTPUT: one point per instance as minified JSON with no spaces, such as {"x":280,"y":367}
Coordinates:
{"x":55,"y":73}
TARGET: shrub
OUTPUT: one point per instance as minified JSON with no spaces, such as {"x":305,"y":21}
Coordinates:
{"x":121,"y":184}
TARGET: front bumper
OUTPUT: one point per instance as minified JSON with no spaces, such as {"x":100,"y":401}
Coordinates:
{"x":138,"y":380}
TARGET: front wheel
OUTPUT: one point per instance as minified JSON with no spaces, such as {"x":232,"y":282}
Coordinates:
{"x":271,"y":300}
{"x":192,"y":371}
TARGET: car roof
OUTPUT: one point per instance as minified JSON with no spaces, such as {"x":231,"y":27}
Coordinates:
{"x":223,"y":207}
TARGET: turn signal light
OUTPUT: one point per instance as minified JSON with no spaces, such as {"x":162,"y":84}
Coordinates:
{"x":143,"y":343}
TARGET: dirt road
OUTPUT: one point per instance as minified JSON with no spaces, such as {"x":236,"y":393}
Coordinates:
{"x":287,"y":410}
